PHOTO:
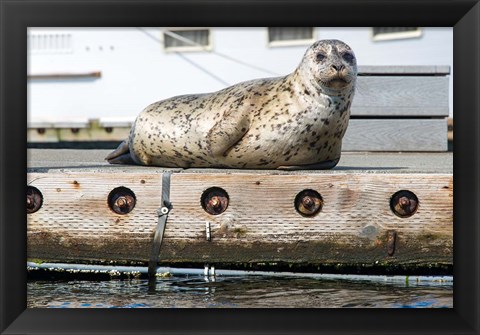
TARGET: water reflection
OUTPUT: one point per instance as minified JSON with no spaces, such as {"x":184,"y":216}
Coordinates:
{"x":236,"y":292}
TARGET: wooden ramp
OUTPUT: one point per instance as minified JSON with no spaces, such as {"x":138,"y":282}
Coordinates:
{"x":362,"y":223}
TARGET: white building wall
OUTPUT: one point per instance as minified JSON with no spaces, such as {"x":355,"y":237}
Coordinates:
{"x":137,"y":71}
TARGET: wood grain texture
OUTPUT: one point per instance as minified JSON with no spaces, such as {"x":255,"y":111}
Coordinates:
{"x":399,"y":112}
{"x":396,"y":135}
{"x":259,"y":225}
{"x":75,"y":220}
{"x":401,"y":96}
{"x":386,"y":70}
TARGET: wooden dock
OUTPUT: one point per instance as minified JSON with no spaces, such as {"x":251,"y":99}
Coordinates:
{"x":375,"y":212}
{"x":361,"y":223}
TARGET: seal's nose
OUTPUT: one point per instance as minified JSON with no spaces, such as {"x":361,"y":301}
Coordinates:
{"x":338,"y":67}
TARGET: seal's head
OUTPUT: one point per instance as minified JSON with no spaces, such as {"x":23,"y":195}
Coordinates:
{"x":331,"y":65}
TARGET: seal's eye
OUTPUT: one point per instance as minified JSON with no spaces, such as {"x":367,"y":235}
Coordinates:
{"x":320,"y":57}
{"x":348,"y":57}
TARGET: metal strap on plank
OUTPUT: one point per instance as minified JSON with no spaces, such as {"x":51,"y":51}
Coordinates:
{"x":162,"y":213}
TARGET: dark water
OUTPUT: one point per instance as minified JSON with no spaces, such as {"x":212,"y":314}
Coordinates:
{"x":237,"y":292}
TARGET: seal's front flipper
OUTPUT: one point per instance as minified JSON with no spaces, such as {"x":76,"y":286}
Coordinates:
{"x":330,"y":164}
{"x":121,"y":155}
{"x":227,"y":133}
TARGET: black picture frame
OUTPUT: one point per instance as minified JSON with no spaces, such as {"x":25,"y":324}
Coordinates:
{"x":16,"y":16}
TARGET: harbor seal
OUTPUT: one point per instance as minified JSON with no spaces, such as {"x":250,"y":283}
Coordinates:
{"x":291,"y":122}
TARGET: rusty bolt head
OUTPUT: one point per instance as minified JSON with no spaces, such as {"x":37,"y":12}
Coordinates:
{"x":121,"y":200}
{"x":34,"y":199}
{"x":124,"y":202}
{"x":308,"y":202}
{"x":404,"y":203}
{"x":214,"y":200}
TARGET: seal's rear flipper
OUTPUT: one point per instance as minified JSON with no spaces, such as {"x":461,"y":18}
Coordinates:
{"x":122,"y":159}
{"x":121,"y":155}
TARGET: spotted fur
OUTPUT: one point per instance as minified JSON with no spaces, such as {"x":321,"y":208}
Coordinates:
{"x":295,"y":121}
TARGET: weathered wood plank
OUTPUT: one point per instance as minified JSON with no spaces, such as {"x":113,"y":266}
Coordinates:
{"x":396,"y":135}
{"x":404,"y":69}
{"x":75,"y":221}
{"x":401,"y":96}
{"x":399,"y":112}
{"x":93,"y":160}
{"x":259,"y":225}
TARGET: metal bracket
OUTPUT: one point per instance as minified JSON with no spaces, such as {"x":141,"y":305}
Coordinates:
{"x":162,"y":213}
{"x":391,"y":240}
